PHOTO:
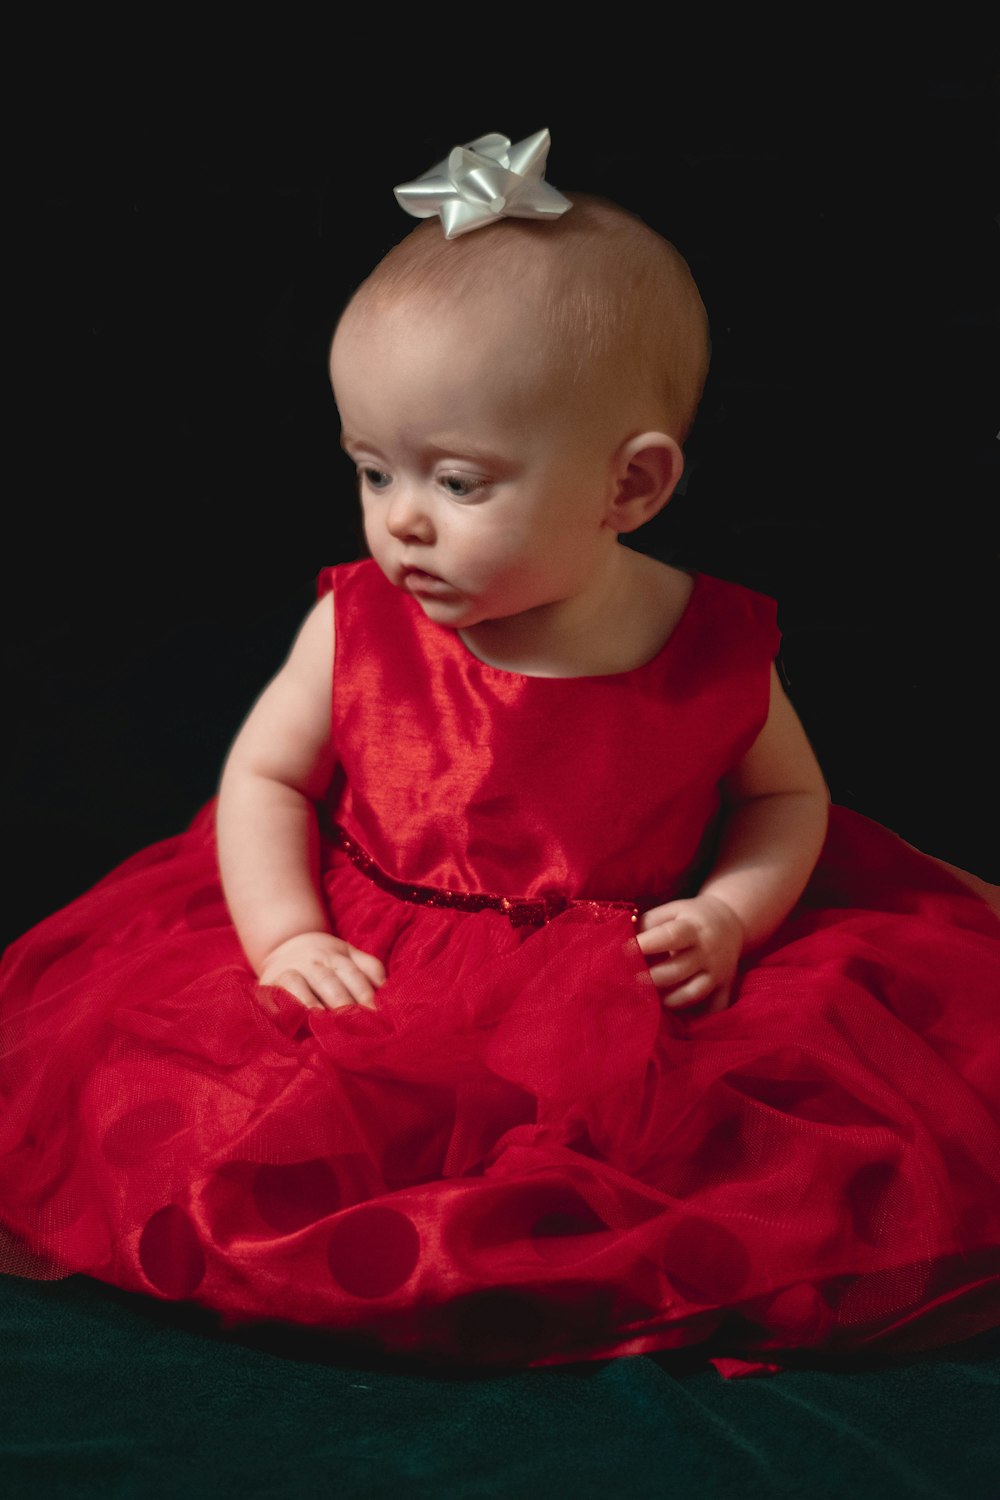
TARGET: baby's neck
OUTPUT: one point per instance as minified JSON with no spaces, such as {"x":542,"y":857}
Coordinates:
{"x":572,"y":638}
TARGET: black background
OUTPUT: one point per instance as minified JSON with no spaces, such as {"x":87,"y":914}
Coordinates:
{"x":194,"y":220}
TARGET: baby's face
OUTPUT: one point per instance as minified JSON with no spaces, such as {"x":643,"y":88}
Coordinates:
{"x":485,"y":489}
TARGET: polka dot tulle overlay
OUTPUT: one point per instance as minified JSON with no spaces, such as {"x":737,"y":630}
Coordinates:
{"x":531,"y":1162}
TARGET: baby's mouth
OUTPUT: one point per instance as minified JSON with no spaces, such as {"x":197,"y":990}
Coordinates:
{"x":417,"y":581}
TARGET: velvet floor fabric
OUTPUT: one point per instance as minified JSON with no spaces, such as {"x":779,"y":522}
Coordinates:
{"x":105,"y":1393}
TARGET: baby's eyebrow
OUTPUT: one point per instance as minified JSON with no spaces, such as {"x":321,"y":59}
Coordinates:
{"x":348,"y":441}
{"x":460,"y":447}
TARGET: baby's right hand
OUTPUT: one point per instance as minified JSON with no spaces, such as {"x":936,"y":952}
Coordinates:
{"x":324,"y":972}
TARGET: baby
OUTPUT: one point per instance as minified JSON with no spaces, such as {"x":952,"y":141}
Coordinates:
{"x":547,"y":1009}
{"x":515,"y":401}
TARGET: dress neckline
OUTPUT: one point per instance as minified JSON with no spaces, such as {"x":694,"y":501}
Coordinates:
{"x":697,"y":580}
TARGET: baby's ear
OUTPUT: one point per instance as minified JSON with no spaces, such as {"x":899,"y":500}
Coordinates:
{"x":647,"y":469}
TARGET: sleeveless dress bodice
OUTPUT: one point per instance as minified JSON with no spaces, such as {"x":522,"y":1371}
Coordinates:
{"x":462,"y":776}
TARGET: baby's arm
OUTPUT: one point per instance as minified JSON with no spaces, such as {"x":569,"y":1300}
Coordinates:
{"x":280,"y":764}
{"x":775,"y":822}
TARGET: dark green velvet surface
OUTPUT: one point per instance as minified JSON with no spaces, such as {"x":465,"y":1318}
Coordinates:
{"x":108,"y":1394}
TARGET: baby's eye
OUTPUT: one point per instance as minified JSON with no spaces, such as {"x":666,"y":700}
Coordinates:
{"x":375,"y":479}
{"x":461,"y":485}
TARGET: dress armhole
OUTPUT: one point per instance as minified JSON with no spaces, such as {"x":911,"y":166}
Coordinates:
{"x":324,"y":586}
{"x":767,"y":613}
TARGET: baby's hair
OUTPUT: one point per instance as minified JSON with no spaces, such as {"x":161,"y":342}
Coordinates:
{"x":618,"y":309}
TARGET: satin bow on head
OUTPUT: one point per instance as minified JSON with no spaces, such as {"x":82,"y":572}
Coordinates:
{"x":486,"y":180}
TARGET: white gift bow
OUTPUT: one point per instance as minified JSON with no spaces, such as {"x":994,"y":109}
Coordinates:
{"x":483,"y":181}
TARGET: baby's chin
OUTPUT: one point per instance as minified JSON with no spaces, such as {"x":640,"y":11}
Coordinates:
{"x":448,"y":604}
{"x":444,"y":605}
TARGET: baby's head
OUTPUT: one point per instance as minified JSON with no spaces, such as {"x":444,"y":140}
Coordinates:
{"x":607,"y":313}
{"x":514,"y":401}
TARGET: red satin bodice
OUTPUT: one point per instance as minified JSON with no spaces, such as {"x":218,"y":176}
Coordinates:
{"x":462,"y":776}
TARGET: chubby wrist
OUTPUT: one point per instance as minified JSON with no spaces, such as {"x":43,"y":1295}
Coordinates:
{"x":262,"y":955}
{"x":755,"y":909}
{"x":727,"y":910}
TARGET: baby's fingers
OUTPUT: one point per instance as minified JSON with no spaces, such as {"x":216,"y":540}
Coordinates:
{"x":342,"y":983}
{"x":368,"y":964}
{"x":697,"y":988}
{"x":721,"y":998}
{"x":657,"y":917}
{"x":661,"y":939}
{"x":701,"y":987}
{"x":292,"y":981}
{"x":674,"y":969}
{"x":322,"y":984}
{"x":674,"y":936}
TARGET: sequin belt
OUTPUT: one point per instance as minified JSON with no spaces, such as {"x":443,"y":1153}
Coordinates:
{"x":520,"y":913}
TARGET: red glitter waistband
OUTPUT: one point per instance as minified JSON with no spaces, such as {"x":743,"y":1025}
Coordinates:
{"x":521,"y":913}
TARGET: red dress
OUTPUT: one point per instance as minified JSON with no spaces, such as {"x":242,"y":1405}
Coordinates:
{"x":521,"y":1157}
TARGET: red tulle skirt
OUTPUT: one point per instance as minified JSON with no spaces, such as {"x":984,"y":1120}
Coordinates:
{"x":520,"y":1157}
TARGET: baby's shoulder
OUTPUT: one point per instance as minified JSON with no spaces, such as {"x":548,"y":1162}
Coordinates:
{"x":311,"y":656}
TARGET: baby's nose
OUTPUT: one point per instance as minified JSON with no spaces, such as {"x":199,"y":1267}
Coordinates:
{"x":407,"y":516}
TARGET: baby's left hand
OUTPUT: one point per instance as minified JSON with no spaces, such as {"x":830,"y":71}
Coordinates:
{"x":701,"y":940}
